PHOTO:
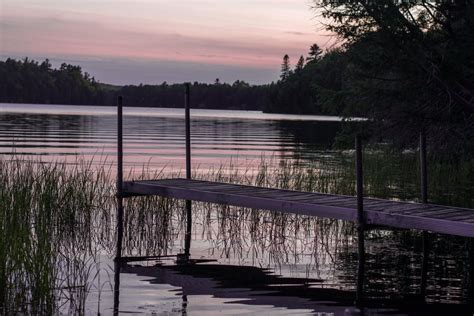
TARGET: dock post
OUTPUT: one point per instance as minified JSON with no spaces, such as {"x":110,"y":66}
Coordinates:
{"x":119,"y":183}
{"x":470,"y":291}
{"x":424,"y":200}
{"x":187,"y":241}
{"x":119,"y":196}
{"x":360,"y":222}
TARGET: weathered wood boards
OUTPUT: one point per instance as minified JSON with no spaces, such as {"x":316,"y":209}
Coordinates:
{"x":430,"y":217}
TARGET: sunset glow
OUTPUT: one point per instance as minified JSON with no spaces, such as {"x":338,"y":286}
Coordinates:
{"x":222,"y":34}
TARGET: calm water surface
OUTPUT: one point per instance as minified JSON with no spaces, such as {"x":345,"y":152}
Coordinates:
{"x":237,"y":275}
{"x":156,"y":136}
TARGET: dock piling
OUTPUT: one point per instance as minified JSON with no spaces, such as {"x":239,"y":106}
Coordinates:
{"x":119,"y":183}
{"x":360,"y":221}
{"x":119,"y":196}
{"x":424,"y":200}
{"x":470,"y":291}
{"x":187,"y":106}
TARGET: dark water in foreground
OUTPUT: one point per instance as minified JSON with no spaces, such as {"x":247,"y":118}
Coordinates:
{"x":298,"y":266}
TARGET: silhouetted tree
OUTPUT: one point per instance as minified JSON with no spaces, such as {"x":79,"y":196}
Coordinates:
{"x":285,"y":68}
{"x":410,"y":66}
{"x":300,"y":64}
{"x":315,"y":53}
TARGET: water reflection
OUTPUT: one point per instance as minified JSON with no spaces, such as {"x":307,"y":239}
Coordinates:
{"x":158,"y":140}
{"x":206,"y":288}
{"x":303,"y":250}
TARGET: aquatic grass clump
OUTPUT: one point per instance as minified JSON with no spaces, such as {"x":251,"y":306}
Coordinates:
{"x":47,"y":214}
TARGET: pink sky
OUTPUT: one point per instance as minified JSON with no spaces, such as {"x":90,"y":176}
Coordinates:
{"x":252,"y":35}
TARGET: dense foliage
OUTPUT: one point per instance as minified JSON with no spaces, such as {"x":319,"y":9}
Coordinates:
{"x":406,"y":65}
{"x":27,"y":81}
{"x":238,"y":96}
{"x":410,"y":66}
{"x":304,"y":89}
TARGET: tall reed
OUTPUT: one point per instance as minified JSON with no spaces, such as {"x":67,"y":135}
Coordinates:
{"x":47,"y":214}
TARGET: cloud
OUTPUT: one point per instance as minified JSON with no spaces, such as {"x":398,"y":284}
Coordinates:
{"x":189,"y":33}
{"x":299,"y":33}
{"x":53,"y":35}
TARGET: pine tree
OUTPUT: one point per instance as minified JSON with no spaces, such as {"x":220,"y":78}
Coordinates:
{"x":300,"y":64}
{"x":315,"y":53}
{"x":285,"y":68}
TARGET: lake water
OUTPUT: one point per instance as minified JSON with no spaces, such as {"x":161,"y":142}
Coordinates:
{"x":156,"y":136}
{"x":310,"y":272}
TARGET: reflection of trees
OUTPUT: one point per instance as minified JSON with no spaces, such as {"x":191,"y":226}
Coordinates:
{"x":44,"y":128}
{"x":315,"y":134}
{"x":310,"y":140}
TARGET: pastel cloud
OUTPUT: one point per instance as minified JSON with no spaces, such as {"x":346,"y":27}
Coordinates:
{"x":252,"y":34}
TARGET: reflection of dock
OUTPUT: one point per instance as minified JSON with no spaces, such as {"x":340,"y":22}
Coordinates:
{"x":364,"y":211}
{"x":436,"y":218}
{"x":256,"y":288}
{"x":245,"y":285}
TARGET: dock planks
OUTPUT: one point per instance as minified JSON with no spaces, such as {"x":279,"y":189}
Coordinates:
{"x":408,"y":215}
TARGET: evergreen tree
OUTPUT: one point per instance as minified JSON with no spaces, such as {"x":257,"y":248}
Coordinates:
{"x":315,"y":53}
{"x":300,"y":64}
{"x":285,"y":68}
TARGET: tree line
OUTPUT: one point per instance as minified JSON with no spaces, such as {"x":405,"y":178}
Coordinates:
{"x":237,"y":96}
{"x":29,"y":81}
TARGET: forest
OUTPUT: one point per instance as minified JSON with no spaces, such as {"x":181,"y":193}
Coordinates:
{"x":29,"y":81}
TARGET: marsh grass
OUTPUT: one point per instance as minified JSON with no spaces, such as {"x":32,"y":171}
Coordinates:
{"x":47,"y":214}
{"x":58,"y":219}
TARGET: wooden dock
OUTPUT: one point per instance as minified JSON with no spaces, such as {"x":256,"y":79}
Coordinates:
{"x":430,"y":217}
{"x":364,"y":211}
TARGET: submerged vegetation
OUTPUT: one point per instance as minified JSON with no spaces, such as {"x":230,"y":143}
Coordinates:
{"x":58,"y":222}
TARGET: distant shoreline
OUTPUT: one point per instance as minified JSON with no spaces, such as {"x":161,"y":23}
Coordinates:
{"x":137,"y":106}
{"x":66,"y":109}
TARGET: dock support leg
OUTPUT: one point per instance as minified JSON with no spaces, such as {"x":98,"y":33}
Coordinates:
{"x":470,"y":291}
{"x":424,"y":265}
{"x":119,"y":196}
{"x":424,"y":200}
{"x":360,"y":223}
{"x":116,"y":287}
{"x":187,"y":242}
{"x":118,"y":253}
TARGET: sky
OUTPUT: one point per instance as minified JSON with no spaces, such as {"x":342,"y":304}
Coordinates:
{"x":151,"y":41}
